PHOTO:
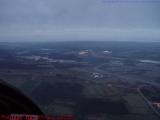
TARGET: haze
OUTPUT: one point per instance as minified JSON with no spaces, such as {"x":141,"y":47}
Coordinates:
{"x":59,"y":20}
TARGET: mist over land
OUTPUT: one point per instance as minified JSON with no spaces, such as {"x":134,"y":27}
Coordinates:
{"x":101,"y":80}
{"x":87,"y":58}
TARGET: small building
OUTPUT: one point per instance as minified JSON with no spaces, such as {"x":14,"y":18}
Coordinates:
{"x":156,"y":104}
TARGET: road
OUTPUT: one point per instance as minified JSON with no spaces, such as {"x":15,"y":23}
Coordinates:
{"x":97,"y":68}
{"x":146,"y":100}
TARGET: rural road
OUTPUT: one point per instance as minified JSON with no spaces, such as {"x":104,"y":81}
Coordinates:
{"x":146,"y":100}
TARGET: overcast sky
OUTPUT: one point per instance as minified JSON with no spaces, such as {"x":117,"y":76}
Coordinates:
{"x":22,"y":20}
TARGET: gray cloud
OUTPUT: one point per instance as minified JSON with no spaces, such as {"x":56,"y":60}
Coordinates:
{"x":83,"y":18}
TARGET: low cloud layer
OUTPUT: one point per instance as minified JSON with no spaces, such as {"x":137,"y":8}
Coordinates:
{"x":77,"y":20}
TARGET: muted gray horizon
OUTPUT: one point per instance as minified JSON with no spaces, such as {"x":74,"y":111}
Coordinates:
{"x":79,"y":20}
